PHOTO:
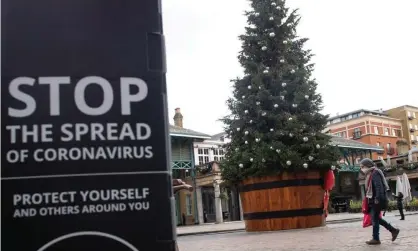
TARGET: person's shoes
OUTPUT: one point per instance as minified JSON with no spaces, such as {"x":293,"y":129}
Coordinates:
{"x":373,"y":242}
{"x":395,"y":234}
{"x":402,"y":218}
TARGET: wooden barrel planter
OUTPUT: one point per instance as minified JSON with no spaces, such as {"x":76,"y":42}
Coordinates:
{"x":285,"y":201}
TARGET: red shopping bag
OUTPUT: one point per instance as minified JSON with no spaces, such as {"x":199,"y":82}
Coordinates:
{"x":367,"y":219}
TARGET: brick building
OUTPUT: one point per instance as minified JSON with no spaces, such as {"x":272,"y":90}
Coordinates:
{"x":408,"y":115}
{"x":370,"y":127}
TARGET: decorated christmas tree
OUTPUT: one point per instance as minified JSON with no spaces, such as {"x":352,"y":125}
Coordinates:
{"x":275,"y":124}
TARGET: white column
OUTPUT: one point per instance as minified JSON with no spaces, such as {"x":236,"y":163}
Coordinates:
{"x":218,"y":203}
{"x":199,"y":204}
{"x":241,"y":213}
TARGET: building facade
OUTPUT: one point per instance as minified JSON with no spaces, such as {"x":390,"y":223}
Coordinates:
{"x":217,"y":202}
{"x":183,"y":167}
{"x":408,"y":115}
{"x":370,"y":127}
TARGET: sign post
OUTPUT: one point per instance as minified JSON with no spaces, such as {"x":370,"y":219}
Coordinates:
{"x":84,"y":131}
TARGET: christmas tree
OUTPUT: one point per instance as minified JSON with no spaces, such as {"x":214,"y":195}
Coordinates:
{"x":274,"y":122}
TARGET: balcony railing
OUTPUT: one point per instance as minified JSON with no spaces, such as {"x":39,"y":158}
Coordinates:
{"x":356,"y":135}
{"x":412,"y":129}
{"x":390,"y":151}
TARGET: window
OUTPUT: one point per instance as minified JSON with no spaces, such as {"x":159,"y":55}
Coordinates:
{"x":378,"y":144}
{"x":388,"y":145}
{"x":218,"y":154}
{"x":410,"y":126}
{"x":376,"y":130}
{"x":413,"y":115}
{"x":189,"y":204}
{"x":416,"y":137}
{"x":203,"y":155}
{"x":412,"y":137}
{"x":356,"y":115}
{"x":386,"y":131}
{"x":416,"y":127}
{"x":409,"y":114}
{"x":393,"y":132}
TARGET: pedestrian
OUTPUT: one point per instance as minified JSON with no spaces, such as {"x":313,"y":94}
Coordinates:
{"x":399,"y":204}
{"x":377,"y":199}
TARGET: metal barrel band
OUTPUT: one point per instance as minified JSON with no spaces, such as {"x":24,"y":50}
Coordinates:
{"x":281,"y":184}
{"x":284,"y":214}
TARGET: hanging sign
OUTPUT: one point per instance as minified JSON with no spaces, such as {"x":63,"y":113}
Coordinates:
{"x":84,"y":133}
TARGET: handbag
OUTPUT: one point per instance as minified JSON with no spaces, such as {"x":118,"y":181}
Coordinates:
{"x":367,"y":219}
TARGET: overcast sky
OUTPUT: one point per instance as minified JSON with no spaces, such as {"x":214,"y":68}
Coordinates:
{"x":366,"y":54}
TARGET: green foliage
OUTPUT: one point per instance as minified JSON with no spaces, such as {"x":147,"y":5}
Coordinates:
{"x":274,"y":122}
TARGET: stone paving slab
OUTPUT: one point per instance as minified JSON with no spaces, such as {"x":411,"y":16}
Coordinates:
{"x":333,"y":237}
{"x":239,"y":225}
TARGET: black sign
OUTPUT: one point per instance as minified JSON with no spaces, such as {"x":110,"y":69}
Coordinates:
{"x":84,"y":133}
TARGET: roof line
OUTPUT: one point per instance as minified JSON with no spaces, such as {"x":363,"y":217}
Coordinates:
{"x":358,"y":147}
{"x":189,"y":136}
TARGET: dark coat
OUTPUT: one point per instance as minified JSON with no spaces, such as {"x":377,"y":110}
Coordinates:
{"x":379,"y":192}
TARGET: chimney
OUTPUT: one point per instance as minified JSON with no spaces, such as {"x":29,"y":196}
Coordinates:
{"x":178,"y":118}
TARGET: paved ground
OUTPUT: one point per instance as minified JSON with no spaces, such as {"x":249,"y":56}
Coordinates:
{"x":333,"y":237}
{"x":239,"y":225}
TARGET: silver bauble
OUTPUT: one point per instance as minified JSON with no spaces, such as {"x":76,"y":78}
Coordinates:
{"x":306,"y":96}
{"x":271,"y":18}
{"x":246,"y":111}
{"x":264,"y":48}
{"x":292,"y":71}
{"x":305,"y":139}
{"x":271,"y":148}
{"x":273,"y":4}
{"x":311,"y":158}
{"x":294,"y":105}
{"x":263,"y":113}
{"x":263,"y":160}
{"x":243,"y":96}
{"x":257,"y":140}
{"x":281,"y":60}
{"x":251,"y":121}
{"x":257,"y":103}
{"x":265,"y":71}
{"x":318,"y":146}
{"x":238,"y":129}
{"x":271,"y":129}
{"x":251,"y":159}
{"x":291,"y":135}
{"x":246,"y":142}
{"x":284,"y":42}
{"x":284,"y":84}
{"x":332,"y":167}
{"x":246,"y":132}
{"x":276,"y":105}
{"x":278,"y":150}
{"x":290,"y":119}
{"x":305,"y":165}
{"x":288,"y":162}
{"x":272,"y":34}
{"x":249,"y":87}
{"x":241,"y":165}
{"x":257,"y":14}
{"x":282,"y":97}
{"x":237,"y":149}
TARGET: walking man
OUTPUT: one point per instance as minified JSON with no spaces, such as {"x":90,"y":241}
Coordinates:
{"x":377,"y":199}
{"x":399,"y":203}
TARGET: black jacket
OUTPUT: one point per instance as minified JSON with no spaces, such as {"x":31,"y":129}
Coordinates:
{"x":379,"y":191}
